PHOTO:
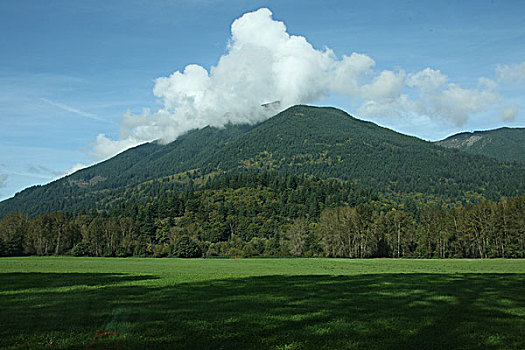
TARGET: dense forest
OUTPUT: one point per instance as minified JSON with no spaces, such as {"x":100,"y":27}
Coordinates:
{"x":323,"y":142}
{"x":273,"y":214}
{"x":307,"y":182}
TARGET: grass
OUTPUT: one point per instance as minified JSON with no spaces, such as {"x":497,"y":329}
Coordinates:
{"x":96,"y":303}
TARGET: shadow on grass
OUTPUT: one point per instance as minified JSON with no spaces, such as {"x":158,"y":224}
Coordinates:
{"x":22,"y":280}
{"x":387,"y":311}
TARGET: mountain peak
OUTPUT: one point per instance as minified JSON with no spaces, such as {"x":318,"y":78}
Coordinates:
{"x":324,"y":142}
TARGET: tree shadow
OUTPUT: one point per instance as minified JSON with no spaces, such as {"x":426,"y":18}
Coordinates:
{"x":383,"y":311}
{"x":28,"y":280}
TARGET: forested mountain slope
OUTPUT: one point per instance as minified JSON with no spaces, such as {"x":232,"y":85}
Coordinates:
{"x":107,"y":180}
{"x":302,"y":140}
{"x":504,"y":144}
{"x":329,"y":143}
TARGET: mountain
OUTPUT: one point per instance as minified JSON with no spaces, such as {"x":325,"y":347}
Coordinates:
{"x":504,"y":144}
{"x":326,"y":143}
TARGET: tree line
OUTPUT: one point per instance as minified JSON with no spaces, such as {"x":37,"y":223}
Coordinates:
{"x":272,"y":214}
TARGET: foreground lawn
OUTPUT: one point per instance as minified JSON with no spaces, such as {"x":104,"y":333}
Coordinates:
{"x":97,"y":303}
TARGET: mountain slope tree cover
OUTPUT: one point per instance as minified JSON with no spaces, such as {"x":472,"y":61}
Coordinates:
{"x":308,"y":182}
{"x":323,"y":142}
{"x":504,"y":144}
{"x":271,"y":214}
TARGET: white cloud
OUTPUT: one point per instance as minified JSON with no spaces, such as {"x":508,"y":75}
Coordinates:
{"x":349,"y":75}
{"x":104,"y":148}
{"x":428,"y":79}
{"x":401,"y":107}
{"x":509,"y":113}
{"x":434,"y":99}
{"x":456,"y":104}
{"x":264,"y":63}
{"x":486,"y":83}
{"x":387,"y":85}
{"x":76,"y":167}
{"x":511,"y":74}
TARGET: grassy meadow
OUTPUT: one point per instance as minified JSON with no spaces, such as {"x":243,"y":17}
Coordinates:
{"x":101,"y":303}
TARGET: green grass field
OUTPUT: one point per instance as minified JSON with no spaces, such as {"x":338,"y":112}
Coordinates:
{"x":97,"y":303}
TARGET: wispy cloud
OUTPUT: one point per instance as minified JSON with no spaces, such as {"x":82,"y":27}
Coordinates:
{"x":73,"y":110}
{"x":43,"y":172}
{"x":509,"y":113}
{"x":3,"y":179}
{"x":511,"y":74}
{"x":33,"y":175}
{"x":40,"y":169}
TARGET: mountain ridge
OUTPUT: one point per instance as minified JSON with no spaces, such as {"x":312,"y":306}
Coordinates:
{"x":324,"y":142}
{"x":505,"y":144}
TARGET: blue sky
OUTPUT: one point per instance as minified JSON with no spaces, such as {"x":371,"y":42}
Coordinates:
{"x":76,"y":76}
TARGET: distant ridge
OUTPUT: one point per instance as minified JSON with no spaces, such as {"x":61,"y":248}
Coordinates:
{"x":504,"y":144}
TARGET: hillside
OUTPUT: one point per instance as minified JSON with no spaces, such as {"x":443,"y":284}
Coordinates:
{"x":302,"y":140}
{"x":504,"y":144}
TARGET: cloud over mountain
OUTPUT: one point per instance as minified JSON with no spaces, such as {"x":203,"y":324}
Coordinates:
{"x":264,"y":63}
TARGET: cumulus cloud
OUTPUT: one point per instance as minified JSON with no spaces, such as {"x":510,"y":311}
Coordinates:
{"x":511,"y":74}
{"x":456,"y":104}
{"x":486,"y":83}
{"x":427,"y":79}
{"x":434,"y":98}
{"x":509,"y":113}
{"x":387,"y":85}
{"x":264,"y":63}
{"x":400,"y":107}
